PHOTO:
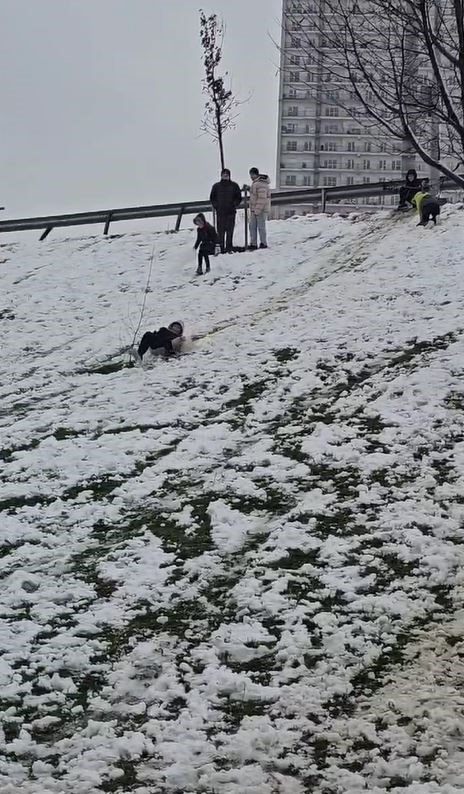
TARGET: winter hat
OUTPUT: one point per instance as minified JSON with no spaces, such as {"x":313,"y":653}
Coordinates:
{"x":254,"y":172}
{"x":176,"y":327}
{"x":225,"y":171}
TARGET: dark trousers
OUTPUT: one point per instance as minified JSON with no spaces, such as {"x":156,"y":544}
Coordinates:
{"x":430,"y":208}
{"x":225,"y":230}
{"x":407,"y":193}
{"x":204,"y":253}
{"x":153,"y":340}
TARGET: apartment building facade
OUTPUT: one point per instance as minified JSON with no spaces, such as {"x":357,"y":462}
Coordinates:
{"x":323,"y":137}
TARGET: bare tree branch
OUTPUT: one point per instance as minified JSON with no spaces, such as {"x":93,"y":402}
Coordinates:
{"x":402,"y":60}
{"x":220,"y":106}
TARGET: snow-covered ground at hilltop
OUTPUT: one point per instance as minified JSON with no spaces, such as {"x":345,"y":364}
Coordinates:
{"x":239,"y":571}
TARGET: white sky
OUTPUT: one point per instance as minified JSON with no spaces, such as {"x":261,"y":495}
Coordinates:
{"x":101,"y":101}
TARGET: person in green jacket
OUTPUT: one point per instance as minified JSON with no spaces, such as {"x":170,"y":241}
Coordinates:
{"x":427,"y":206}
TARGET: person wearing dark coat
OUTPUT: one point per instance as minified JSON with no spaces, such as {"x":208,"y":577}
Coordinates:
{"x":161,"y":339}
{"x":428,"y":207}
{"x":411,"y":185}
{"x":206,"y":243}
{"x":226,"y":197}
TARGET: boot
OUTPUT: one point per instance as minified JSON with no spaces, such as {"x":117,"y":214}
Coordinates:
{"x":207,"y":269}
{"x":252,"y":247}
{"x":262,"y":245}
{"x":199,"y":271}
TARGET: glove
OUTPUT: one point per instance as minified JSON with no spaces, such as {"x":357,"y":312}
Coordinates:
{"x":217,"y":250}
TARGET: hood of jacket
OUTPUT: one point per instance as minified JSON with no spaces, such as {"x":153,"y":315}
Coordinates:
{"x":411,"y":175}
{"x":418,"y":199}
{"x":263,"y":178}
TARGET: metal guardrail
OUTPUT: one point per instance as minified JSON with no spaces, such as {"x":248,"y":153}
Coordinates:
{"x":321,"y":196}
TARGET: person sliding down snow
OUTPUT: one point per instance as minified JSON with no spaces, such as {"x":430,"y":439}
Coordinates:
{"x":411,"y":185}
{"x":427,"y":206}
{"x":168,"y":339}
{"x":207,"y":242}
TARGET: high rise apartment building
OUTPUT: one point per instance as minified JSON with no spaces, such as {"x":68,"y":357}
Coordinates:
{"x":322,"y":143}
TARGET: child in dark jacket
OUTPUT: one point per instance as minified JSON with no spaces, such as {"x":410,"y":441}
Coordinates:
{"x":411,"y":185}
{"x":427,"y":207}
{"x":207,"y":241}
{"x":161,"y":339}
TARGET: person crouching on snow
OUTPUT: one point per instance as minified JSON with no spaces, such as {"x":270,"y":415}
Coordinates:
{"x":207,"y":243}
{"x":167,"y":339}
{"x":427,"y":206}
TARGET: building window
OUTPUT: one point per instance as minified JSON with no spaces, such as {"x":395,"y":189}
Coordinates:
{"x":351,"y":146}
{"x":367,"y":146}
{"x":383,"y":147}
{"x":330,"y":164}
{"x":294,"y":77}
{"x":366,"y":165}
{"x":306,"y":181}
{"x":329,"y":181}
{"x":366,"y":180}
{"x":332,"y":110}
{"x":382,"y":165}
{"x":311,"y":77}
{"x":350,"y":180}
{"x":396,"y":165}
{"x":331,"y":129}
{"x":350,"y":164}
{"x":295,"y":60}
{"x":307,"y":146}
{"x":293,"y":110}
{"x":290,"y":179}
{"x":291,"y":127}
{"x":295,"y":41}
{"x":331,"y":146}
{"x":292,"y":146}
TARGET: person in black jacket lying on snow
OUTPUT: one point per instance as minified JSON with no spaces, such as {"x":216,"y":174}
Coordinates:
{"x":161,"y":339}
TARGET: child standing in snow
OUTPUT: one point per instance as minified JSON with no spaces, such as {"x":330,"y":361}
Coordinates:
{"x":207,"y":242}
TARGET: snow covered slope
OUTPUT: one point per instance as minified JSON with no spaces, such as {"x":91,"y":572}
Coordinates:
{"x":239,"y":571}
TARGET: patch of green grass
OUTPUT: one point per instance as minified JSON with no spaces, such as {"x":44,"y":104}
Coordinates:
{"x":17,"y":502}
{"x":126,"y":782}
{"x":286,"y":354}
{"x":101,"y":488}
{"x":7,"y":453}
{"x":242,"y":404}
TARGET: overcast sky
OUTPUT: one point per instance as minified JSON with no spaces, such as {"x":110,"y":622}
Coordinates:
{"x":101,"y":101}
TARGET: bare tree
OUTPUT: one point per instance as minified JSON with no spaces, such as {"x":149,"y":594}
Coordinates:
{"x":397,"y":66}
{"x":220,"y":102}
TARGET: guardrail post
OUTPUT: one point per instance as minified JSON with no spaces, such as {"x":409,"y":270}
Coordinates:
{"x":179,"y":218}
{"x":245,"y":207}
{"x":323,"y":199}
{"x":107,"y":222}
{"x":45,"y":233}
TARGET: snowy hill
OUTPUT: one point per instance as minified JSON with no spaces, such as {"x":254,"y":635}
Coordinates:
{"x":239,"y":571}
